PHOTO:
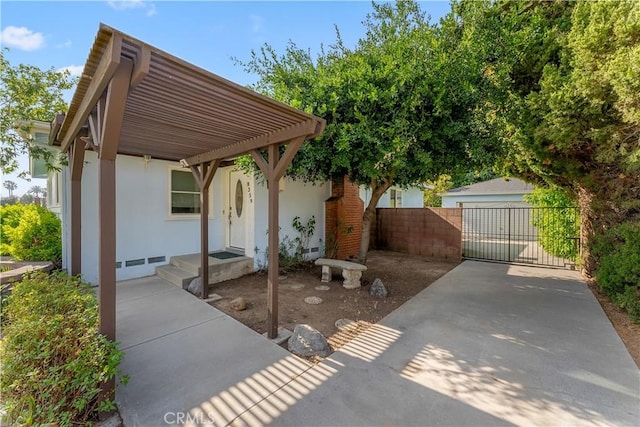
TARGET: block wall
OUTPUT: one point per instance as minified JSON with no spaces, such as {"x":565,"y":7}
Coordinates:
{"x":433,"y":232}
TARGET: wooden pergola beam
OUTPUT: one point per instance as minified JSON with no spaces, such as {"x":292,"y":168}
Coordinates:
{"x":141,"y":68}
{"x":203,"y":175}
{"x":108,"y":65}
{"x":306,"y":129}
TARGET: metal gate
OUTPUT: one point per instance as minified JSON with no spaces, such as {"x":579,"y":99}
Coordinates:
{"x":523,"y":235}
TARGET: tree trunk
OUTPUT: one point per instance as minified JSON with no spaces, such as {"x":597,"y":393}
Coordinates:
{"x":377,"y":190}
{"x":585,"y":199}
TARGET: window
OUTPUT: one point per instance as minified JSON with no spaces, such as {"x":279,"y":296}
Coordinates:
{"x":185,"y":194}
{"x":395,"y":199}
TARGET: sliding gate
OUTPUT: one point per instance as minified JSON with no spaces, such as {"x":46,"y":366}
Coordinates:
{"x":524,"y":235}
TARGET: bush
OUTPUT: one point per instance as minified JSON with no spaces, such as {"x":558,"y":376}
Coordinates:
{"x":31,"y":232}
{"x":617,"y":252}
{"x":9,"y":219}
{"x":558,"y":225}
{"x":54,"y":361}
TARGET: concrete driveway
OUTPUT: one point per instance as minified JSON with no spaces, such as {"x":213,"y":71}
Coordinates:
{"x":487,"y":344}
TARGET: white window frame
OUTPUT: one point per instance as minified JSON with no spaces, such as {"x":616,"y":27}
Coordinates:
{"x":185,"y":216}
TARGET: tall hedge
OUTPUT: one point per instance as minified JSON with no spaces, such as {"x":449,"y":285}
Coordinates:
{"x":617,"y":252}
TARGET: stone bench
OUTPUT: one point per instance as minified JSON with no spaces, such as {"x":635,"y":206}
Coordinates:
{"x":351,"y":271}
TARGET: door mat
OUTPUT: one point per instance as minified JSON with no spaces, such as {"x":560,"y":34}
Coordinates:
{"x":224,"y":255}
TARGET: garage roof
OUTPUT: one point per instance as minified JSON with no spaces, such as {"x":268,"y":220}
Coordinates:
{"x":493,"y":186}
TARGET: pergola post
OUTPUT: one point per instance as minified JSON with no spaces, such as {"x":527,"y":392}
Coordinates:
{"x":107,"y":246}
{"x":203,"y":175}
{"x":76,"y":161}
{"x":273,"y":171}
{"x":274,"y":243}
{"x":108,"y":137}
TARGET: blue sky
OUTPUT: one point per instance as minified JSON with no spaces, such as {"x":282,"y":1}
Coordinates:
{"x":207,"y":33}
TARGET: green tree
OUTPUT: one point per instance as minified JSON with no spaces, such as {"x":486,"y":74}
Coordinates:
{"x":435,"y":189}
{"x":10,"y":186}
{"x":27,"y":93}
{"x":36,"y":190}
{"x":564,"y":82}
{"x":400,"y":106}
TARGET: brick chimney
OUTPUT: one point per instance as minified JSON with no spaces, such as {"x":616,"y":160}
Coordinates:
{"x":343,"y":219}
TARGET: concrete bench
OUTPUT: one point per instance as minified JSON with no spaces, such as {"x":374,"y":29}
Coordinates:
{"x":351,"y":271}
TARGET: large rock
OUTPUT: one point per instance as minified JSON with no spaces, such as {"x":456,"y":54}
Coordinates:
{"x":378,"y":289}
{"x":195,"y":286}
{"x":238,"y":304}
{"x":307,"y":341}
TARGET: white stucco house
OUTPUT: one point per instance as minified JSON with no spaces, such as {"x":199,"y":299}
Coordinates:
{"x":395,"y":197}
{"x":157,"y":211}
{"x":495,"y":193}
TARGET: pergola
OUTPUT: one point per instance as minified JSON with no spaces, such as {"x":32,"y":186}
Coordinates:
{"x":137,"y":100}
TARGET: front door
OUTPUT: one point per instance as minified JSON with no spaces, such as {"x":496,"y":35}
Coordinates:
{"x":237,"y":210}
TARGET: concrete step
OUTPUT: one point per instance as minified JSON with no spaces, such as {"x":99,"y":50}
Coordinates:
{"x":175,"y":275}
{"x":187,"y":265}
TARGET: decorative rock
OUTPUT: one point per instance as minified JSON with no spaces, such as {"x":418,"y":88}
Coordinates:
{"x":307,"y":341}
{"x":344,"y":324}
{"x":378,"y":289}
{"x":322,"y":288}
{"x":238,"y":304}
{"x":296,"y":287}
{"x":313,"y":300}
{"x":195,"y":286}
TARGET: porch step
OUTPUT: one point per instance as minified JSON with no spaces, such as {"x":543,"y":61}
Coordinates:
{"x":189,"y":264}
{"x":175,"y":275}
{"x":184,"y":268}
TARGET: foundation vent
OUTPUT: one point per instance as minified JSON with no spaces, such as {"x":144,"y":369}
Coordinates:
{"x":156,"y":259}
{"x":134,"y":262}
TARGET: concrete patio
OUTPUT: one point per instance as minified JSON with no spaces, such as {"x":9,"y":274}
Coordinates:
{"x":487,"y":344}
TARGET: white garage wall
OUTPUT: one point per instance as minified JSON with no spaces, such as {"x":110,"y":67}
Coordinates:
{"x":482,"y":200}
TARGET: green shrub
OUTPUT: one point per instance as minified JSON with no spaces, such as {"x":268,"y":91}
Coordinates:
{"x":558,"y":223}
{"x":618,"y":275}
{"x":32,"y":233}
{"x":54,"y":361}
{"x":9,"y":219}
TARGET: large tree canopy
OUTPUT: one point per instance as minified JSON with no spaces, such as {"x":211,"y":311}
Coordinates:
{"x":400,"y":106}
{"x":27,"y":93}
{"x":566,"y":78}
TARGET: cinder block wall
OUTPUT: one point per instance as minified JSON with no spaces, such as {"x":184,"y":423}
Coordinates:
{"x":343,"y":220}
{"x":433,"y":232}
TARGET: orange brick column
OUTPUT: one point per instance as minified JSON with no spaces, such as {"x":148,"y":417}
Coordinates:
{"x":343,"y":220}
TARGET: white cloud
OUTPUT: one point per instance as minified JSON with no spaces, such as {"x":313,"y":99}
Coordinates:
{"x":74,"y":70}
{"x":66,"y":44}
{"x":126,"y":4}
{"x":149,"y":6}
{"x":21,"y":38}
{"x":257,"y":23}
